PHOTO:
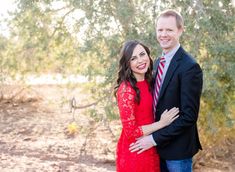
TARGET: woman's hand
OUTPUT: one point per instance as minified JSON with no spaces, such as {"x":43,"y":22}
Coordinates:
{"x":168,"y":117}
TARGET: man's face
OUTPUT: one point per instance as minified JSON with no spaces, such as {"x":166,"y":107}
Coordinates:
{"x":167,"y":33}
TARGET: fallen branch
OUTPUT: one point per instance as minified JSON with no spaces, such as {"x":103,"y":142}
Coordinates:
{"x":73,"y":104}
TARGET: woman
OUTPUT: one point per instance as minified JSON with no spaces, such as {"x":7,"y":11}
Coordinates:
{"x":133,"y":93}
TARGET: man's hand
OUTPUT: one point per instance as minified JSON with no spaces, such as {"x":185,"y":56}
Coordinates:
{"x":142,"y":144}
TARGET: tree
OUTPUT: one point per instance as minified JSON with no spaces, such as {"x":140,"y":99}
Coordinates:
{"x":85,"y":37}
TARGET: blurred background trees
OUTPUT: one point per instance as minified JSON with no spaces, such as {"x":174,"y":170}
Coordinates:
{"x":84,"y":37}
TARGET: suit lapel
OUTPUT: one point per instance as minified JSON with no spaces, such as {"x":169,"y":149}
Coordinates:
{"x":170,"y":71}
{"x":169,"y":74}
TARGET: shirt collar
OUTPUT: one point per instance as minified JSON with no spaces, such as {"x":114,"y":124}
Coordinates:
{"x":171,"y":53}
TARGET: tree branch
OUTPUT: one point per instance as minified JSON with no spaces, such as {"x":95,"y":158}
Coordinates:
{"x":74,"y":106}
{"x":62,"y":21}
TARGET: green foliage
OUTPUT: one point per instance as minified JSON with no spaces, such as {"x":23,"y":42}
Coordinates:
{"x":84,"y":37}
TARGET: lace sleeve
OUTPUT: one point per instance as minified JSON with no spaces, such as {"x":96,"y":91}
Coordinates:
{"x":126,"y":104}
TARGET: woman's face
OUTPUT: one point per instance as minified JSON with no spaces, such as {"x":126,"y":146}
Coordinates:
{"x":139,"y":62}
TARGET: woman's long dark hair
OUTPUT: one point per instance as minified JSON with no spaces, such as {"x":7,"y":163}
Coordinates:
{"x":125,"y":74}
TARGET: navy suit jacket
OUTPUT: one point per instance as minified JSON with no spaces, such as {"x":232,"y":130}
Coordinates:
{"x":181,"y":88}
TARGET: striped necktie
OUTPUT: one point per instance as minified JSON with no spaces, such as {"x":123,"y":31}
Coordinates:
{"x":158,"y":82}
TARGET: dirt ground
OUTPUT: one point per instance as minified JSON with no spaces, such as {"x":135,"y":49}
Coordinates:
{"x":34,"y":136}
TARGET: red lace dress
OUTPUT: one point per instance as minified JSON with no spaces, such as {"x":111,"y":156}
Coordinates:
{"x":133,"y":116}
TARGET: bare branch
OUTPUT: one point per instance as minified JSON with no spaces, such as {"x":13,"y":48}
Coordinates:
{"x":59,"y":9}
{"x":74,"y":106}
{"x":62,"y":21}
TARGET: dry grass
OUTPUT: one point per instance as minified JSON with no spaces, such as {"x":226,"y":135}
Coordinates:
{"x":34,"y":137}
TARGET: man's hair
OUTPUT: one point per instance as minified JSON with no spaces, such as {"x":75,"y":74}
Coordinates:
{"x":173,"y":13}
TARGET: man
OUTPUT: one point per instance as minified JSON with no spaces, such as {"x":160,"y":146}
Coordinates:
{"x":178,"y":83}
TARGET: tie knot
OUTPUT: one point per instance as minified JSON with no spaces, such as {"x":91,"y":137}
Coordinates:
{"x":162,"y":59}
